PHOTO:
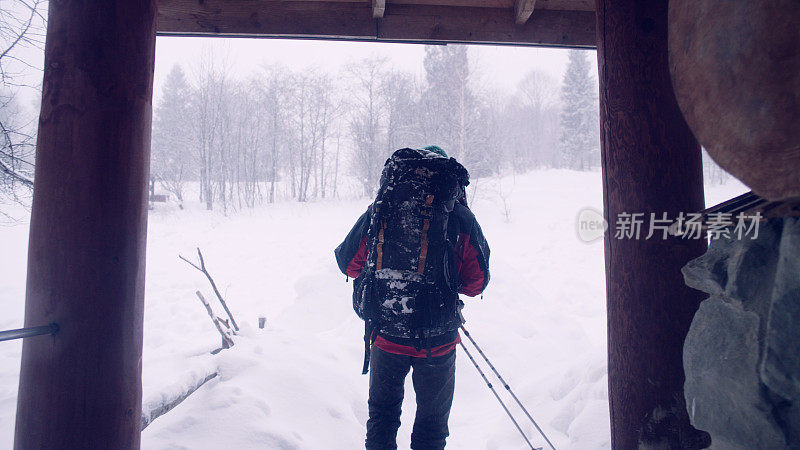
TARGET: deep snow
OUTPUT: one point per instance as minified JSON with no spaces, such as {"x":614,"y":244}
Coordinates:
{"x":297,"y":383}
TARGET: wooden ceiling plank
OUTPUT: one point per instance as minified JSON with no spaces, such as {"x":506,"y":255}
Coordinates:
{"x":266,"y":19}
{"x":523,"y":10}
{"x":355,"y":21}
{"x":560,"y":5}
{"x":565,"y":5}
{"x":488,"y":25}
{"x":507,"y":4}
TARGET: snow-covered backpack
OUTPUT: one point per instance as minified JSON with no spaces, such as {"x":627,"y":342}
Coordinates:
{"x":409,"y":287}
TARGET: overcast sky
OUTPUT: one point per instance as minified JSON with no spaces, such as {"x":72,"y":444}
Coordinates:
{"x":498,"y":66}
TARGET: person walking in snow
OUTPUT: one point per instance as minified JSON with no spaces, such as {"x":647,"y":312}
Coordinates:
{"x":411,"y":253}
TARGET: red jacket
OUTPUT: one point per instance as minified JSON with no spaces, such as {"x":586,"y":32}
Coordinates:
{"x":471,"y":248}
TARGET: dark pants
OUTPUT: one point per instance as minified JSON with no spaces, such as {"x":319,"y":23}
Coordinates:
{"x":434,"y":383}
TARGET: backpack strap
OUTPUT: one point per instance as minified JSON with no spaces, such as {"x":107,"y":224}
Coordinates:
{"x":428,"y":345}
{"x":369,"y":338}
{"x":423,"y":248}
{"x":379,"y":250}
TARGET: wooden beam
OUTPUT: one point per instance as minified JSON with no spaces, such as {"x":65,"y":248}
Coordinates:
{"x":378,"y":8}
{"x":504,"y":4}
{"x":651,"y":164}
{"x":266,"y":18}
{"x":82,"y":387}
{"x":566,"y":5}
{"x":560,"y":5}
{"x":487,"y":25}
{"x":523,"y":10}
{"x":354,"y":21}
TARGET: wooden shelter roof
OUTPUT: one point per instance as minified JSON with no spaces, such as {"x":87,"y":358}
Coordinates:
{"x":569,"y":23}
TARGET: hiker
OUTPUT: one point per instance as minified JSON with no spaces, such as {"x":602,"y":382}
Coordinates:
{"x":411,"y":253}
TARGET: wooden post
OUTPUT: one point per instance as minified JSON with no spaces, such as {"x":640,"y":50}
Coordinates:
{"x":82,"y":387}
{"x":651,"y":164}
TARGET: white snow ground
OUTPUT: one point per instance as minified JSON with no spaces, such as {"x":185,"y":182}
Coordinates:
{"x":297,"y":383}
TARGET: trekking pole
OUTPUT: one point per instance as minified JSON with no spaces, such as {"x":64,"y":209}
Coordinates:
{"x":508,"y":388}
{"x":483,"y":375}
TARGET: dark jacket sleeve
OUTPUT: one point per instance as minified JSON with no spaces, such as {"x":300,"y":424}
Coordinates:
{"x":351,"y":254}
{"x":473,"y":254}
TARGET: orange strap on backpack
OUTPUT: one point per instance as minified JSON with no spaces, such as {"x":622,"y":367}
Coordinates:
{"x":379,"y":251}
{"x":423,"y":248}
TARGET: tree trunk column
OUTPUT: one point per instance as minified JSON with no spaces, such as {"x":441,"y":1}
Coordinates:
{"x":82,"y":387}
{"x":651,"y":164}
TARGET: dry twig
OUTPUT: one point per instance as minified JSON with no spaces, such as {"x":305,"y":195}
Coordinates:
{"x":202,"y":268}
{"x":227,"y":340}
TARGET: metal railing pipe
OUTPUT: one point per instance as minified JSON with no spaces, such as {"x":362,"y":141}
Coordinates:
{"x":21,"y":333}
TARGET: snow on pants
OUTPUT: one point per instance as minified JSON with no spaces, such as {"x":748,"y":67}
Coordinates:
{"x":434,"y":383}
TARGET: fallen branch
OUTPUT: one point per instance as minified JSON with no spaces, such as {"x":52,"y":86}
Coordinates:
{"x":202,"y":268}
{"x":227,"y":340}
{"x":152,"y":410}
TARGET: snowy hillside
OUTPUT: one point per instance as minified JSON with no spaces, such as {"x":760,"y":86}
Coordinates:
{"x":297,"y":383}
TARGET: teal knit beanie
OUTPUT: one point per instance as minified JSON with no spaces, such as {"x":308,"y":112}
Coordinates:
{"x":436,"y":149}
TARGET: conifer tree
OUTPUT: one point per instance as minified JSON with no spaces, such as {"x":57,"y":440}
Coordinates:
{"x":452,"y":116}
{"x":579,"y":115}
{"x":172,"y":140}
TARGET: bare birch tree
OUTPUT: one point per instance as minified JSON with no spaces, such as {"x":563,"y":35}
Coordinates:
{"x":273,"y":94}
{"x":400,"y":96}
{"x":209,"y":87}
{"x":367,"y":121}
{"x":538,"y":120}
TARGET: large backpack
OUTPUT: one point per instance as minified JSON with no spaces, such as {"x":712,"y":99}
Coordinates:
{"x":409,"y":287}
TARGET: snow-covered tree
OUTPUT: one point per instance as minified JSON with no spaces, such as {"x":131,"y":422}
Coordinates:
{"x":453,"y":116}
{"x":399,"y":92}
{"x":172,"y":134}
{"x":249,"y":151}
{"x":310,"y":124}
{"x":367,"y":121}
{"x":579,"y":141}
{"x":22,"y":28}
{"x":535,"y":121}
{"x":210,"y":88}
{"x":17,"y":146}
{"x":274,"y":97}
